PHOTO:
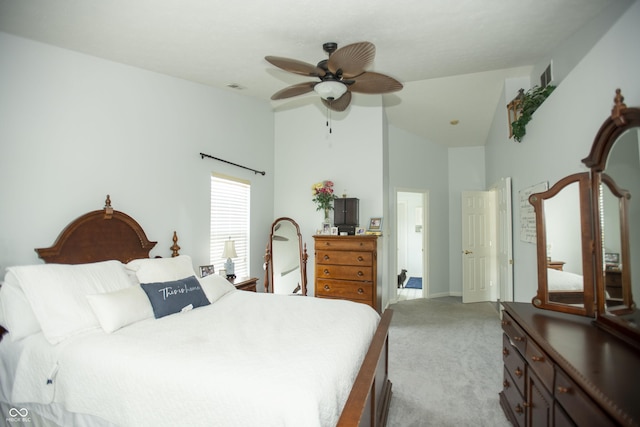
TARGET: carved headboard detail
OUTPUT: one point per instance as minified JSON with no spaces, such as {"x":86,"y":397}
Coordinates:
{"x":100,"y":235}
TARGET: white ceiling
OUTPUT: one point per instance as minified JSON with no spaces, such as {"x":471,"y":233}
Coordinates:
{"x":452,"y":56}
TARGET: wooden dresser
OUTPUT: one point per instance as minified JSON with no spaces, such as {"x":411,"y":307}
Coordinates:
{"x":562,"y":370}
{"x":346,"y":268}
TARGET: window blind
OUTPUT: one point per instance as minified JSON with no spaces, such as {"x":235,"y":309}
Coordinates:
{"x":230,"y":202}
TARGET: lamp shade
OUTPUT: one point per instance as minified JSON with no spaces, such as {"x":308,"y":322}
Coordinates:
{"x":330,"y":89}
{"x":229,"y":249}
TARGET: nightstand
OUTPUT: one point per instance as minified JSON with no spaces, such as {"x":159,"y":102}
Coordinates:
{"x":245,"y":283}
{"x":556,"y":265}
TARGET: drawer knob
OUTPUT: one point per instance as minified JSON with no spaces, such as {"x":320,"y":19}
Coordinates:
{"x":360,"y":273}
{"x":537,"y":358}
{"x":563,"y":389}
{"x":519,"y":409}
{"x":360,"y":291}
{"x":519,"y":339}
{"x":326,"y":257}
{"x":505,"y":351}
{"x":326,"y":271}
{"x":326,"y":287}
{"x":505,"y":323}
{"x":360,"y":259}
{"x":506,"y":384}
{"x":518,"y":372}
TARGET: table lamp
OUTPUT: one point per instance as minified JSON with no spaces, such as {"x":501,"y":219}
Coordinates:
{"x":228,"y":253}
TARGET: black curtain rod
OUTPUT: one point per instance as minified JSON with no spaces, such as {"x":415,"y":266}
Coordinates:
{"x":202,"y":156}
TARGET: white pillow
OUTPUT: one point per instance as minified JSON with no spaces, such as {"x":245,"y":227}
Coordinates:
{"x":3,"y":322}
{"x":154,"y":270}
{"x":19,"y":318}
{"x":215,"y":286}
{"x":115,"y":310}
{"x":57,"y":294}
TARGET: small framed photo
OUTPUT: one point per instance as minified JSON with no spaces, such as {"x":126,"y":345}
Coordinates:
{"x":612,"y":260}
{"x":326,"y":228}
{"x":334,"y":231}
{"x":375,"y":224}
{"x":206,"y":270}
{"x":359,"y":231}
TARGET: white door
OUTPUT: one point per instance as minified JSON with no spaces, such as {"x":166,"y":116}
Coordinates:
{"x":478,"y":265}
{"x":504,"y":239}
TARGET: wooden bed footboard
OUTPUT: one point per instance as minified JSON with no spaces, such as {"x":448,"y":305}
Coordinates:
{"x":368,"y":402}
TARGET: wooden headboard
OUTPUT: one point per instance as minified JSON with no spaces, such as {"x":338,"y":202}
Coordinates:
{"x":101,"y":235}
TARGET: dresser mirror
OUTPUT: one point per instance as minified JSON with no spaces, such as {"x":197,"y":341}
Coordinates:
{"x":610,"y":239}
{"x":563,"y":235}
{"x":285,"y":259}
{"x":620,"y":236}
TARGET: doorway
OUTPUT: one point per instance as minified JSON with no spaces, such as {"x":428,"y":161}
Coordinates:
{"x":411,"y":241}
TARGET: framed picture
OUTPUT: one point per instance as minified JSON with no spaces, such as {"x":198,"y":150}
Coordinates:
{"x":334,"y":231}
{"x":612,"y":258}
{"x":375,"y":224}
{"x":359,"y":231}
{"x":326,"y":228}
{"x":206,"y":270}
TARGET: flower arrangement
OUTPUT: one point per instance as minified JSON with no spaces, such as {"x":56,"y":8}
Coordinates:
{"x":323,"y":196}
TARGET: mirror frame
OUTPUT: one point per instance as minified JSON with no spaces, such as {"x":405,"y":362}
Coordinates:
{"x":302,"y":250}
{"x":543,"y":297}
{"x":621,"y":120}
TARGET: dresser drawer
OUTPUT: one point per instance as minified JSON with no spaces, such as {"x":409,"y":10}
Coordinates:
{"x":344,"y":272}
{"x":344,"y":257}
{"x":578,"y":406}
{"x":513,"y":363}
{"x":539,"y":362}
{"x":356,"y":291}
{"x":514,"y":332}
{"x":347,"y":244}
{"x":514,"y":399}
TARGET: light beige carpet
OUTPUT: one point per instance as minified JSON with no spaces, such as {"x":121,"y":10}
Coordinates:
{"x":445,"y":363}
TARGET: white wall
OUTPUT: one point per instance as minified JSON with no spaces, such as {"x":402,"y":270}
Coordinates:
{"x":76,"y":128}
{"x":416,"y":164}
{"x":352,"y":156}
{"x":563,"y":128}
{"x":466,"y":173}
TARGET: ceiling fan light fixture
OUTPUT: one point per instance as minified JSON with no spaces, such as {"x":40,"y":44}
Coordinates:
{"x":330,"y":90}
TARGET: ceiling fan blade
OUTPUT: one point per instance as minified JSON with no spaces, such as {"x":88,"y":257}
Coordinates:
{"x":295,"y":66}
{"x":352,"y":59}
{"x":339,"y":104}
{"x":373,"y":83}
{"x":294,"y":90}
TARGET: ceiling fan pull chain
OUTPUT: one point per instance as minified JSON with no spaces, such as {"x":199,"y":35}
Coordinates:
{"x":329,"y":119}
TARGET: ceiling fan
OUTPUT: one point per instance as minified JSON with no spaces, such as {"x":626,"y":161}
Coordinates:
{"x":340,"y":75}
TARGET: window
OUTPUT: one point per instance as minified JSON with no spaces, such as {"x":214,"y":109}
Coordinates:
{"x":230,"y":220}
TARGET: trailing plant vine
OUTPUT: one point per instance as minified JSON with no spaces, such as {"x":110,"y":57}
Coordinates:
{"x":531,"y":100}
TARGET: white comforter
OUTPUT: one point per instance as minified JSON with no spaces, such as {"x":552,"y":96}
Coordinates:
{"x":247,"y":360}
{"x":564,"y":281}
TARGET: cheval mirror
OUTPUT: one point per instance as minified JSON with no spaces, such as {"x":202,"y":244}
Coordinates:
{"x":609,"y":240}
{"x":285,"y":259}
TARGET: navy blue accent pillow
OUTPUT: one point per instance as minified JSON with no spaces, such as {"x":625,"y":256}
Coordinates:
{"x":171,"y":297}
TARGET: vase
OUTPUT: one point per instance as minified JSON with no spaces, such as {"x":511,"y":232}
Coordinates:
{"x":327,"y":220}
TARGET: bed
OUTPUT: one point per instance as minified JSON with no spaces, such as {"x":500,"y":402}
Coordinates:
{"x":102,"y":346}
{"x":565,"y":287}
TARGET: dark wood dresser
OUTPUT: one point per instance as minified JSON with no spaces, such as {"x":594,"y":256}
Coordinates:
{"x":562,"y":370}
{"x":346,"y":268}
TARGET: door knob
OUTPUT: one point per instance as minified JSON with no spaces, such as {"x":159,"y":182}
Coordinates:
{"x":466,"y":252}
